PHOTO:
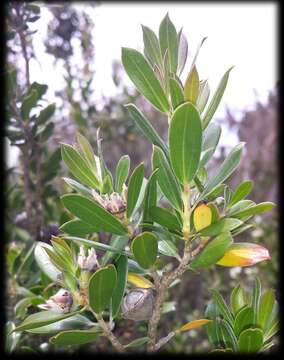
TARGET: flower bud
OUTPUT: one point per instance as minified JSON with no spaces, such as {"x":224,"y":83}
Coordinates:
{"x":88,"y":262}
{"x":244,"y":254}
{"x":61,"y":302}
{"x":114,"y":203}
{"x":138,"y":304}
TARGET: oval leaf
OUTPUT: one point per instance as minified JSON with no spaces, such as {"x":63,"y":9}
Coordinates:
{"x":243,"y":320}
{"x":121,"y":173}
{"x":176,"y":92}
{"x":75,"y":337}
{"x":101,"y":287}
{"x":185,"y":136}
{"x":169,"y":41}
{"x":122,"y":271}
{"x":191,"y":86}
{"x":134,"y":188}
{"x":250,"y":340}
{"x":145,"y":249}
{"x":223,"y":225}
{"x":152,"y":49}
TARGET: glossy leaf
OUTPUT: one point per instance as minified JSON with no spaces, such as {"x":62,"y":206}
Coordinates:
{"x":255,"y":301}
{"x":168,"y":248}
{"x":101,"y":287}
{"x":166,"y":179}
{"x":145,"y":249}
{"x":176,"y":92}
{"x":75,"y":185}
{"x":265,"y":307}
{"x":191,"y":86}
{"x":146,"y":127}
{"x":42,"y":318}
{"x":225,"y":170}
{"x":182,"y":51}
{"x":222,"y":306}
{"x":239,"y":206}
{"x":237,"y":299}
{"x":228,"y":335}
{"x":204,"y":92}
{"x":150,"y":199}
{"x":122,"y":274}
{"x":77,"y":321}
{"x":117,"y":242}
{"x":212,"y":252}
{"x":226,"y":224}
{"x":93,"y":214}
{"x":243,"y":320}
{"x":144,"y":78}
{"x":185,"y":136}
{"x":139,"y":281}
{"x":78,"y":166}
{"x":44,"y":262}
{"x":241,"y":192}
{"x":121,"y":173}
{"x":250,"y":340}
{"x":193,"y":325}
{"x":165,"y":218}
{"x":168,"y":41}
{"x":77,"y":227}
{"x":244,"y":254}
{"x":202,"y":217}
{"x":75,"y":337}
{"x":254,"y":210}
{"x":216,"y":99}
{"x":87,"y":152}
{"x":134,"y":188}
{"x":152,"y":49}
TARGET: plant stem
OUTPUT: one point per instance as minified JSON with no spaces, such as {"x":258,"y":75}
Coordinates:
{"x":108,"y":333}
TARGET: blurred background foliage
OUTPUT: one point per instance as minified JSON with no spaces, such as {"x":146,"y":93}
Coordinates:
{"x":34,"y":183}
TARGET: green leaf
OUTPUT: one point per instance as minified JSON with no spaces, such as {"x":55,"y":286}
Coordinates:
{"x":168,"y":41}
{"x":44,"y":262}
{"x":152,"y":49}
{"x":145,"y":126}
{"x":239,"y":206}
{"x":137,"y":342}
{"x":166,"y":179}
{"x":212,"y":252}
{"x":241,"y":192}
{"x":145,"y":249}
{"x":117,"y":242}
{"x":256,"y":294}
{"x":250,"y":340}
{"x":215,"y":101}
{"x":45,"y":114}
{"x":254,"y":210}
{"x":134,"y":188}
{"x":11,"y":339}
{"x":121,"y":173}
{"x":150,"y":197}
{"x":213,"y":328}
{"x":93,"y":214}
{"x":225,"y":170}
{"x":185,"y":136}
{"x":197,"y":53}
{"x":226,"y":224}
{"x":243,"y":320}
{"x":42,"y":318}
{"x":237,"y":299}
{"x":144,"y":78}
{"x":122,"y":271}
{"x":165,"y":218}
{"x":75,"y":185}
{"x":87,"y":152}
{"x":241,"y":229}
{"x":265,"y":307}
{"x":182,"y":51}
{"x":204,"y":92}
{"x":30,"y":101}
{"x":78,"y":166}
{"x":78,"y":227}
{"x":168,"y":248}
{"x":228,"y":335}
{"x":176,"y":92}
{"x":97,"y":245}
{"x":77,"y":321}
{"x":101,"y":287}
{"x":191,"y":86}
{"x":75,"y":337}
{"x":222,"y":306}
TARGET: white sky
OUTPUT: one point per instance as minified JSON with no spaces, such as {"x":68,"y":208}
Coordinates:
{"x":238,"y":34}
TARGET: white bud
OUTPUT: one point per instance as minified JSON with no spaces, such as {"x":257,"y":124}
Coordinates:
{"x":61,"y":302}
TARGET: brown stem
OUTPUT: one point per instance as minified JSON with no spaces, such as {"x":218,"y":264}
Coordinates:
{"x":161,"y":289}
{"x":109,"y":334}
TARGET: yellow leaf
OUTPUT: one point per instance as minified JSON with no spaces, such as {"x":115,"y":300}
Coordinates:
{"x":191,"y":86}
{"x":193,"y":325}
{"x":139,"y":281}
{"x":244,"y":254}
{"x":202,"y":217}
